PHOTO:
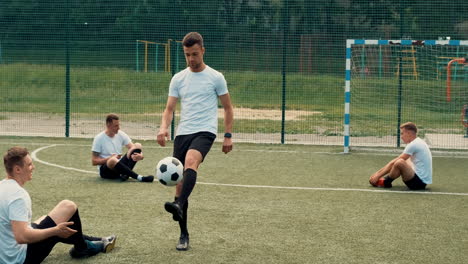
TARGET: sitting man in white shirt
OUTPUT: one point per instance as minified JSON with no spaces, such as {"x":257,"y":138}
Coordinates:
{"x":24,"y":242}
{"x":414,"y":165}
{"x":107,"y":153}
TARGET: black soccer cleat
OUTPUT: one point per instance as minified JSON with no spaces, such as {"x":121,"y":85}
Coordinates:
{"x":135,"y":151}
{"x":175,"y":210}
{"x":147,"y":178}
{"x":183,"y":244}
{"x":123,"y":177}
{"x":384,"y":183}
{"x":103,"y":239}
{"x":109,"y":243}
{"x":93,"y":248}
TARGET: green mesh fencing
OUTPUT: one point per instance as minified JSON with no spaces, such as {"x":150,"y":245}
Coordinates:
{"x":393,"y":82}
{"x":65,"y":64}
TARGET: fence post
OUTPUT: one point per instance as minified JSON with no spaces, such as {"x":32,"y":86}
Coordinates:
{"x":137,"y":62}
{"x":400,"y":71}
{"x":283,"y":95}
{"x":67,"y":71}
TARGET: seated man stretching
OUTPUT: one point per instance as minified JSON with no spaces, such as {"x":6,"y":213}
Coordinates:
{"x":107,"y":153}
{"x":414,"y":165}
{"x":24,"y":242}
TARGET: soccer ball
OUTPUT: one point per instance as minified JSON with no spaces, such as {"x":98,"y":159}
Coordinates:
{"x":169,"y":171}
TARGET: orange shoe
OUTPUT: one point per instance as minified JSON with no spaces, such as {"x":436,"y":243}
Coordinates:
{"x":382,"y":184}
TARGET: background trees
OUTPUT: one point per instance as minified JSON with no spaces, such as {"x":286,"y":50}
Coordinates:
{"x":148,"y":19}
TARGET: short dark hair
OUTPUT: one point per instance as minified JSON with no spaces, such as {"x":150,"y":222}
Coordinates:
{"x":409,"y":126}
{"x":191,"y":39}
{"x":14,"y":156}
{"x":111,"y":117}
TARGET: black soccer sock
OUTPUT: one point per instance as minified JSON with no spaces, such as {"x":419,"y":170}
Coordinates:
{"x":129,"y":161}
{"x":135,"y":151}
{"x":388,"y":182}
{"x":77,"y":239}
{"x":387,"y":179}
{"x":183,"y":222}
{"x":190,"y":178}
{"x":92,"y":238}
{"x":125,"y":170}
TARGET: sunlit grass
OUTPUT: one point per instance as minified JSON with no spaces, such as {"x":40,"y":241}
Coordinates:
{"x":230,"y":224}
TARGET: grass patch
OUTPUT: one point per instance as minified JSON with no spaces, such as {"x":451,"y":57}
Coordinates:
{"x":231,"y":224}
{"x":99,"y":90}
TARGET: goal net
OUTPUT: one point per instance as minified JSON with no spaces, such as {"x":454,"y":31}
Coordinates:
{"x":390,"y":82}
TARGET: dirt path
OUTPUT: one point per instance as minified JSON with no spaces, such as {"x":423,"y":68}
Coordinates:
{"x":53,"y":125}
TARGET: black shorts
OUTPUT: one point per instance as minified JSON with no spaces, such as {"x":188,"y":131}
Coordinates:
{"x":38,"y":251}
{"x":415,"y":183}
{"x":108,"y":173}
{"x":201,"y":141}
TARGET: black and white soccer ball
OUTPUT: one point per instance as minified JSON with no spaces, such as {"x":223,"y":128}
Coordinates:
{"x":169,"y":171}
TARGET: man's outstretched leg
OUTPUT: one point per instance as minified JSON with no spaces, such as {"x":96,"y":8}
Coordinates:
{"x":197,"y":149}
{"x":176,"y":208}
{"x":185,"y":188}
{"x":65,"y":211}
{"x":183,"y":243}
{"x":94,"y":245}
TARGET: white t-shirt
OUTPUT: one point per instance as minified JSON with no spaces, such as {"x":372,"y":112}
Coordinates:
{"x":198,"y":93}
{"x":107,"y":146}
{"x":421,"y":158}
{"x":15,"y":204}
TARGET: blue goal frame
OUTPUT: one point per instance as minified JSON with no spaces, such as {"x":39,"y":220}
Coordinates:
{"x":403,"y":42}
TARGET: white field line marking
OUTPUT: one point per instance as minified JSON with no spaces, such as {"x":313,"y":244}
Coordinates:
{"x":34,"y":157}
{"x":435,"y":154}
{"x":331,"y":189}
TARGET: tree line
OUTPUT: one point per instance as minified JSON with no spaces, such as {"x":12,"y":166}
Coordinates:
{"x":160,"y":19}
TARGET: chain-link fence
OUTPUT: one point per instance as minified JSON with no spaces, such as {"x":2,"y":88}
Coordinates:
{"x":65,"y":64}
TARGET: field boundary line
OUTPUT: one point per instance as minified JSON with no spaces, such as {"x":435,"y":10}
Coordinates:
{"x":435,"y":153}
{"x":330,"y":189}
{"x":35,"y":158}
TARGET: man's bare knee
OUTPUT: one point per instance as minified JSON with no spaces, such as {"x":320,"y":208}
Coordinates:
{"x":63,"y":211}
{"x":193,"y":160}
{"x":190,"y":163}
{"x":67,"y":205}
{"x":112,"y":162}
{"x":132,"y":149}
{"x":137,"y":146}
{"x":401,"y":163}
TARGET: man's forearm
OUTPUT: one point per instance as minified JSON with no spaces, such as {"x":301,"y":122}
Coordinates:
{"x":228,"y":120}
{"x":26,"y":235}
{"x":166,"y":119}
